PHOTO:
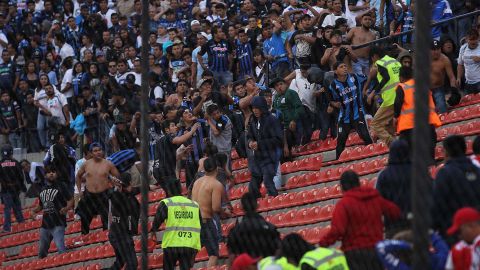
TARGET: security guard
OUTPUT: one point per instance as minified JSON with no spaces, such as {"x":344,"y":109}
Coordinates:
{"x":181,"y":238}
{"x":404,"y":108}
{"x":275,"y":263}
{"x":305,"y":256}
{"x":388,"y":70}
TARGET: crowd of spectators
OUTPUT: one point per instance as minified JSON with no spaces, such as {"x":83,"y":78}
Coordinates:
{"x":255,"y":76}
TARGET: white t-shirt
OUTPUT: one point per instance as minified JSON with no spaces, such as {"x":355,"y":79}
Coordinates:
{"x":157,"y":92}
{"x":107,"y":16}
{"x":66,"y":51}
{"x":472,"y":68}
{"x":353,"y":14}
{"x":78,"y":165}
{"x":54,"y":105}
{"x":4,"y":39}
{"x":331,"y":18}
{"x":67,"y":78}
{"x":304,"y":89}
{"x":195,"y":61}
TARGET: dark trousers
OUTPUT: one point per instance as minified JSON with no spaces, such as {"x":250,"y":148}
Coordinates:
{"x":124,"y":251}
{"x":262,"y":171}
{"x":307,"y":120}
{"x":191,"y":169}
{"x":11,"y":201}
{"x":90,"y":205}
{"x":327,"y":121}
{"x":407,"y":136}
{"x":361,"y":259}
{"x":184,"y":256}
{"x":344,"y":129}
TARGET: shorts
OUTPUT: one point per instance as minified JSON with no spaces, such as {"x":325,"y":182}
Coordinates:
{"x":210,"y":236}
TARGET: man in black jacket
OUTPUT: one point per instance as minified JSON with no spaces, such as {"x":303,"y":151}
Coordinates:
{"x":12,"y":183}
{"x":264,"y":138}
{"x":253,"y":235}
{"x":124,"y":212}
{"x":456,"y":185}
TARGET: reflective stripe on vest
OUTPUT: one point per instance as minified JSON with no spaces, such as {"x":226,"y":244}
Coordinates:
{"x":323,"y":259}
{"x":388,"y":91}
{"x":406,"y":119}
{"x":183,"y":224}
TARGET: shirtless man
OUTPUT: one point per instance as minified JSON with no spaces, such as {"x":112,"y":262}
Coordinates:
{"x":331,"y":55}
{"x":94,"y":200}
{"x":440,"y":66}
{"x":360,"y":35}
{"x":207,"y":192}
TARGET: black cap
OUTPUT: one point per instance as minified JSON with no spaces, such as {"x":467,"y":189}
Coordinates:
{"x":130,"y":78}
{"x":435,"y":45}
{"x":275,"y":81}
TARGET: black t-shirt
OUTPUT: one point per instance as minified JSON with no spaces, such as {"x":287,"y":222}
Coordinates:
{"x":53,"y":197}
{"x":125,"y":211}
{"x":164,"y":158}
{"x":9,"y":114}
{"x":11,"y":176}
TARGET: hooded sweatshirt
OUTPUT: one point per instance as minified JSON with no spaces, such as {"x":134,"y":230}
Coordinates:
{"x":357,"y":219}
{"x":394,"y":181}
{"x":266,"y":131}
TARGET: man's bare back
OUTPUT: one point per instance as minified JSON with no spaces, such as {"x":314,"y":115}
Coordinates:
{"x":207,"y":192}
{"x":360,"y":36}
{"x":96,"y":174}
{"x":439,"y":69}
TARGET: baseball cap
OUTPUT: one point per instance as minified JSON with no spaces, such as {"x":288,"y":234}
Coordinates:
{"x":203,"y":34}
{"x":130,"y":78}
{"x":463,"y":216}
{"x":194,"y":22}
{"x":243,"y":261}
{"x":202,"y":81}
{"x":274,"y":82}
{"x":436,"y":45}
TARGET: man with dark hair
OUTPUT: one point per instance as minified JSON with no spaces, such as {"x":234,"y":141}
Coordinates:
{"x":358,"y":222}
{"x":253,"y":235}
{"x":164,"y":160}
{"x":124,"y":213}
{"x":346,"y":95}
{"x":305,"y":256}
{"x":220,"y":130}
{"x":178,"y":245}
{"x":207,"y":191}
{"x":55,"y":201}
{"x":388,"y":76}
{"x":456,"y":185}
{"x":11,"y":183}
{"x":220,"y":56}
{"x":469,"y":63}
{"x":404,"y":108}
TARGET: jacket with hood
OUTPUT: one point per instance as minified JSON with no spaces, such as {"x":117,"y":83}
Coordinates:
{"x":357,"y":219}
{"x":394,"y":181}
{"x":456,"y":185}
{"x":266,"y":131}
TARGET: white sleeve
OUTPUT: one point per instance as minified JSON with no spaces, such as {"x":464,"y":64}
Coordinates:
{"x":461,"y":53}
{"x":158,"y":92}
{"x":449,"y":263}
{"x":327,"y":20}
{"x":62,"y":99}
{"x":3,"y":37}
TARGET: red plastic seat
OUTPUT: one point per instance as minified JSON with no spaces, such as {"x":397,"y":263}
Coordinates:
{"x":313,"y":163}
{"x":201,"y":255}
{"x":155,"y":261}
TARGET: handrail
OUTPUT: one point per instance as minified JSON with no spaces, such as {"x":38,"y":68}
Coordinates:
{"x":354,"y":47}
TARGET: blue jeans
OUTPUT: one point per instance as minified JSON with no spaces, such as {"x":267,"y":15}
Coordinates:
{"x":439,"y":98}
{"x":15,"y":140}
{"x":56,"y":233}
{"x":11,"y":201}
{"x":361,"y":66}
{"x":42,"y":129}
{"x":223,"y":78}
{"x":473,"y":88}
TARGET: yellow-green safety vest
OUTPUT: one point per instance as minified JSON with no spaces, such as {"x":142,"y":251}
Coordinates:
{"x":388,"y":91}
{"x":274,"y":261}
{"x":183,"y":223}
{"x":325,"y":259}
